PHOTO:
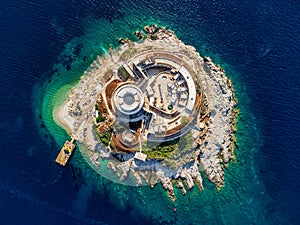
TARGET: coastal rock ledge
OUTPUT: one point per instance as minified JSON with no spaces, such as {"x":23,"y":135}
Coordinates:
{"x":153,"y":111}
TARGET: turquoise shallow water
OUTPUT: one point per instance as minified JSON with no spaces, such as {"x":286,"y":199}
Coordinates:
{"x":243,"y":198}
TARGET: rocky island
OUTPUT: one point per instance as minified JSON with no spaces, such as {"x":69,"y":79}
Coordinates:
{"x":153,"y":111}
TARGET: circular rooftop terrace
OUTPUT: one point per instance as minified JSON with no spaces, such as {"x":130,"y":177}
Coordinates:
{"x":128,"y":99}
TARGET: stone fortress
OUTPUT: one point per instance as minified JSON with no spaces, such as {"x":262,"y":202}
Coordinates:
{"x":155,"y":111}
{"x":157,"y":92}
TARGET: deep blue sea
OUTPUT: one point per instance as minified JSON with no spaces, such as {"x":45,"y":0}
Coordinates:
{"x":46,"y":45}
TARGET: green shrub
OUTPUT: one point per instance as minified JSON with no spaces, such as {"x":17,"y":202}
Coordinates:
{"x":100,"y":118}
{"x":105,"y":138}
{"x":161,"y":151}
{"x":184,"y":120}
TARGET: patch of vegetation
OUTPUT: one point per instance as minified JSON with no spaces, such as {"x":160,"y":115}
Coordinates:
{"x":128,"y":53}
{"x":105,"y":138}
{"x":100,"y":117}
{"x":123,"y":73}
{"x":184,"y":121}
{"x":168,"y":149}
{"x":186,"y":141}
{"x":161,"y":151}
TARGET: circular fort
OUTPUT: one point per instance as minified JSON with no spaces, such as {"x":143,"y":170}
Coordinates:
{"x":129,"y":101}
{"x":155,"y":111}
{"x":155,"y":96}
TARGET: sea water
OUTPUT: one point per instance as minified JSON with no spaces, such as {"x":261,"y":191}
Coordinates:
{"x":48,"y":45}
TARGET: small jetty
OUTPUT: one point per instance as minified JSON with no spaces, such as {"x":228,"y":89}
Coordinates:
{"x":65,"y":152}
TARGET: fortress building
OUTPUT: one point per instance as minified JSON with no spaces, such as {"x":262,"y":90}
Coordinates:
{"x":128,"y":101}
{"x":155,"y":110}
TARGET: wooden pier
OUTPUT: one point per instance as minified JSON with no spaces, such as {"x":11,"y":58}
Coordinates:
{"x":65,"y":152}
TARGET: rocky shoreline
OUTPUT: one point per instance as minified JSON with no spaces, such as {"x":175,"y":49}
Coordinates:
{"x":215,"y":128}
